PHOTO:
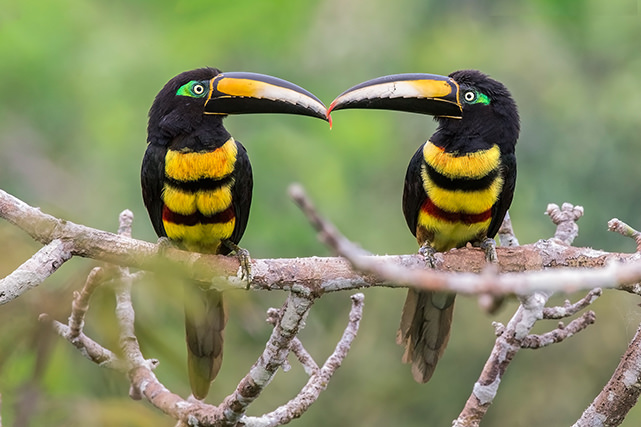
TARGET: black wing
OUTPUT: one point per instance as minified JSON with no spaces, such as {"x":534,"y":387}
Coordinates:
{"x":413,"y":191}
{"x":152,"y":176}
{"x":508,"y":168}
{"x":241,"y":192}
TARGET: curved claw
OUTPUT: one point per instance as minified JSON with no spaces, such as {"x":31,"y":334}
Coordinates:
{"x":164,"y":243}
{"x":489,"y":247}
{"x":428,"y":254}
{"x":244,"y":259}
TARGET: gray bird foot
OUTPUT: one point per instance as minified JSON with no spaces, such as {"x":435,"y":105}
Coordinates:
{"x":244,"y":259}
{"x":428,"y":255}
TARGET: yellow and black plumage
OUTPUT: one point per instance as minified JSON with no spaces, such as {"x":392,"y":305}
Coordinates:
{"x":458,"y":186}
{"x":197,"y":183}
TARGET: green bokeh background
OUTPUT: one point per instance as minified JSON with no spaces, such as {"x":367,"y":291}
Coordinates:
{"x":77,"y":79}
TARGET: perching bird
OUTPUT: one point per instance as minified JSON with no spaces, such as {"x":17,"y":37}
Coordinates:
{"x":197,"y":183}
{"x":458,"y":187}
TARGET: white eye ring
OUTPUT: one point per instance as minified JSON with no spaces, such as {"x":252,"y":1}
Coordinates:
{"x":198,"y":89}
{"x":469,"y":96}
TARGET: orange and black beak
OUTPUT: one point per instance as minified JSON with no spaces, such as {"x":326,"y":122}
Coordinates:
{"x":246,"y":93}
{"x":417,"y":93}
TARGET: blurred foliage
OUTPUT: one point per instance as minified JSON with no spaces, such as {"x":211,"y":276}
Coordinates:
{"x":77,"y":79}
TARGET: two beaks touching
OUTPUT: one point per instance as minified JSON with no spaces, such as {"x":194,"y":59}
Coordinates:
{"x":250,"y":93}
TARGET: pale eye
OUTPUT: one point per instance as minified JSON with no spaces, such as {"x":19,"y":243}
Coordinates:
{"x":198,"y":89}
{"x":470,"y":96}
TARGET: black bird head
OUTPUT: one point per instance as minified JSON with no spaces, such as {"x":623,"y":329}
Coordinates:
{"x":488,"y":111}
{"x":467,"y":102}
{"x":206,"y":95}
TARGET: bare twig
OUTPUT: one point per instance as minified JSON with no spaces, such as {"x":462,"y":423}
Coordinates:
{"x":561,"y":333}
{"x":319,"y":381}
{"x":125,"y":314}
{"x":565,"y":219}
{"x":516,"y":335}
{"x":507,"y":344}
{"x":125,"y":223}
{"x":34,"y":271}
{"x":507,"y":238}
{"x":327,"y":233}
{"x":80,"y":303}
{"x":624,"y":229}
{"x":87,"y":347}
{"x":294,"y":313}
{"x":570,"y":309}
{"x":231,"y":412}
{"x":510,"y":340}
{"x":309,"y":364}
{"x":620,"y":394}
{"x":142,"y":379}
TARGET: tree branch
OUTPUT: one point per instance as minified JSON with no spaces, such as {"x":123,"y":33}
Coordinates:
{"x":87,"y":347}
{"x":618,"y":226}
{"x":565,"y":218}
{"x":570,"y":309}
{"x":543,"y":254}
{"x":309,"y":364}
{"x":516,"y":335}
{"x":319,"y":378}
{"x":620,"y":394}
{"x":562,"y":332}
{"x":318,"y":275}
{"x":510,"y":340}
{"x":35,"y":270}
{"x":294,"y":312}
{"x":80,"y":303}
{"x":308,"y":279}
{"x":506,"y":233}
